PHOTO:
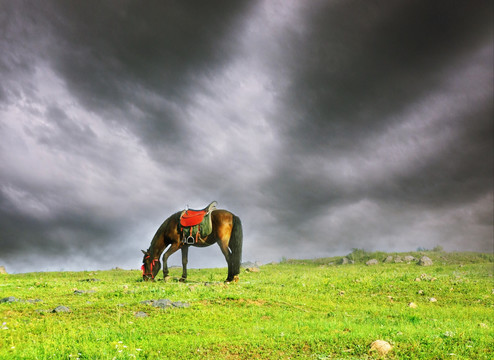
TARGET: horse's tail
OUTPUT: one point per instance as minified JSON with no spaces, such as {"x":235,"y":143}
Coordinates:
{"x":235,"y":245}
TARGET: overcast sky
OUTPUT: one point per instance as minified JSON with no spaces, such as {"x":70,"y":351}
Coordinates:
{"x":324,"y":125}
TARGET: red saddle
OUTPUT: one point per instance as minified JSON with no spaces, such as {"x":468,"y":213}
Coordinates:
{"x":195,"y":217}
{"x":192,"y":217}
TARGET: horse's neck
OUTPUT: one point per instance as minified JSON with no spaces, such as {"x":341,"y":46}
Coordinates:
{"x":156,"y":249}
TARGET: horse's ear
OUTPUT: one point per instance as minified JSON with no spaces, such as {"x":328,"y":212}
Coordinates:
{"x":143,"y":252}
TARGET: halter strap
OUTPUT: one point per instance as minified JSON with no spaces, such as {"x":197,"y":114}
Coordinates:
{"x":151,"y":265}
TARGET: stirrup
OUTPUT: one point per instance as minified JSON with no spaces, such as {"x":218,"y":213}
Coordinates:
{"x":189,"y":241}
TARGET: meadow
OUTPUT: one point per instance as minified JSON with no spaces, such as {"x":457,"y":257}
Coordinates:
{"x":295,"y":309}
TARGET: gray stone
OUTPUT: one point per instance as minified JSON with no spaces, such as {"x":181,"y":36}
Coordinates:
{"x":409,"y":258}
{"x":165,"y":303}
{"x":60,"y":309}
{"x":179,"y":304}
{"x":9,"y":299}
{"x":344,"y":261}
{"x":425,"y":261}
{"x":389,"y":259}
{"x":90,"y":280}
{"x":253,"y":269}
{"x":398,"y":259}
{"x":140,"y":314}
{"x":147,"y":302}
{"x":372,"y":262}
{"x":162,"y":303}
{"x":80,"y":292}
{"x":34,"y":301}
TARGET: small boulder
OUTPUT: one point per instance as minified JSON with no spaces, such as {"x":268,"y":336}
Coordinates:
{"x":180,"y":304}
{"x":409,"y":259}
{"x":372,"y":262}
{"x":140,"y":314}
{"x":9,"y":299}
{"x":61,"y":309}
{"x":412,"y":305}
{"x":398,"y":259}
{"x":162,"y":303}
{"x":2,"y":270}
{"x":425,"y":261}
{"x":254,"y":269}
{"x":389,"y":259}
{"x":381,"y":346}
{"x":344,"y":261}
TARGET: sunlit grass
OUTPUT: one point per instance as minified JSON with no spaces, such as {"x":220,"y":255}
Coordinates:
{"x":296,"y":309}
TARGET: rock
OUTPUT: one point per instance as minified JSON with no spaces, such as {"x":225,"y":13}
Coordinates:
{"x":412,"y":305}
{"x":162,"y":303}
{"x":433,"y":299}
{"x":165,"y":303}
{"x":409,"y":259}
{"x":42,"y":311}
{"x":372,"y":262}
{"x":389,"y":259}
{"x":80,"y":292}
{"x":179,"y":304}
{"x":90,"y":280}
{"x":140,"y":314}
{"x":425,"y":261}
{"x":9,"y":299}
{"x":344,"y":261}
{"x":381,"y":346}
{"x":254,"y":269}
{"x":2,"y":270}
{"x":398,"y":259}
{"x":61,"y":309}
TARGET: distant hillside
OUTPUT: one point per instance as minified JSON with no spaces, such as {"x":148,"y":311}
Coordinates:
{"x":437,"y":255}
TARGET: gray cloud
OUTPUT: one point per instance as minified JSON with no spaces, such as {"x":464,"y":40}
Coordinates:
{"x":325,"y":126}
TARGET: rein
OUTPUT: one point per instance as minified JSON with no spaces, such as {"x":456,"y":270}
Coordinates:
{"x":151,"y":265}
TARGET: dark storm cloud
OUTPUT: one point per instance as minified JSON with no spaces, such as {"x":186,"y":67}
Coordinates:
{"x":118,"y":56}
{"x":361,"y":67}
{"x":325,"y":125}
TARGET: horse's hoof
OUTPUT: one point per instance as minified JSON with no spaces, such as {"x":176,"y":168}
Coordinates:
{"x":182,"y":279}
{"x":233,"y":280}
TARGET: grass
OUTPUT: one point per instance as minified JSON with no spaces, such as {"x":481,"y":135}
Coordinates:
{"x":296,"y":309}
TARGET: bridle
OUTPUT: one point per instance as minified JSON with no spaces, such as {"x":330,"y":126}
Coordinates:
{"x":151,"y":265}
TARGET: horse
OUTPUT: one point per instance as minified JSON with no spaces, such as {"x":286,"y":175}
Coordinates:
{"x":226,"y":232}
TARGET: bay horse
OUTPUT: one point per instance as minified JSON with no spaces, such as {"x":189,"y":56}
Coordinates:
{"x":226,"y":232}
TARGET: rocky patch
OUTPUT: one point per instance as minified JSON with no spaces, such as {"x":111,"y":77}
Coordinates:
{"x":165,"y":303}
{"x":12,"y":299}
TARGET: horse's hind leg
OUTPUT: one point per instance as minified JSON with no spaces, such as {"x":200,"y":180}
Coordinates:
{"x":226,"y":252}
{"x":185,"y":254}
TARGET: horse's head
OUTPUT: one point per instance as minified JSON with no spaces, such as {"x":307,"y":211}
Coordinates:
{"x":150,"y":266}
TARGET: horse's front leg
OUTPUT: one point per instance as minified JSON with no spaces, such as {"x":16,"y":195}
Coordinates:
{"x":174,"y":247}
{"x":185,"y":256}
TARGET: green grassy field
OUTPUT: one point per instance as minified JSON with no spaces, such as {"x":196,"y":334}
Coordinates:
{"x":295,"y":309}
